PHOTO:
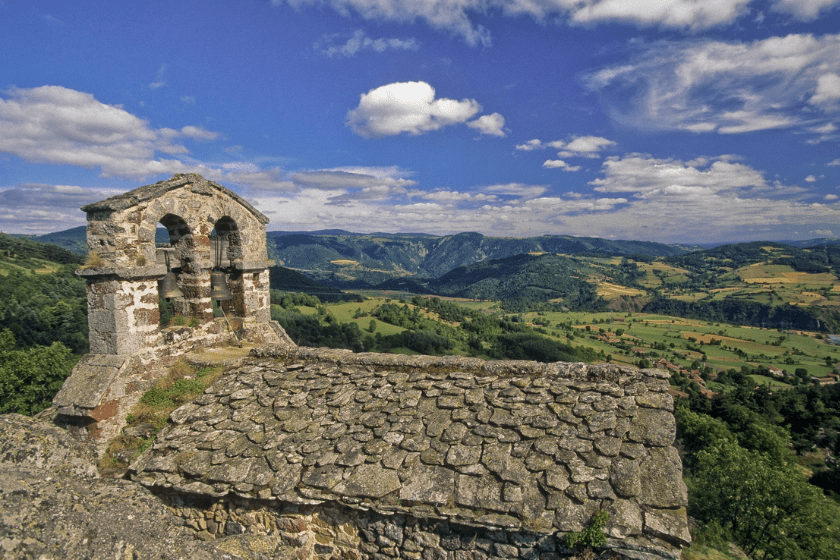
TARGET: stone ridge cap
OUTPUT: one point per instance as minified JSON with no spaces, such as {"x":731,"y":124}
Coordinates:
{"x":148,"y":192}
{"x":466,"y":364}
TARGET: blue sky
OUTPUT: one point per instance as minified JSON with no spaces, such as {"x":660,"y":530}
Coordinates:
{"x":662,"y":120}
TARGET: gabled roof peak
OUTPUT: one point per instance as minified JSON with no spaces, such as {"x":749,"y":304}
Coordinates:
{"x":200,"y":185}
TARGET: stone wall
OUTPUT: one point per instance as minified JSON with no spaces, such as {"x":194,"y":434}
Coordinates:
{"x":121,"y":229}
{"x":335,"y":531}
{"x":509,"y":449}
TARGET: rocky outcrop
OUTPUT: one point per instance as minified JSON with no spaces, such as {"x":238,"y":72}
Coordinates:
{"x":499,"y":450}
{"x":53,"y":505}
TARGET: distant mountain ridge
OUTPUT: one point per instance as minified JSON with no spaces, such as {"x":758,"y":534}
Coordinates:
{"x":374,"y":258}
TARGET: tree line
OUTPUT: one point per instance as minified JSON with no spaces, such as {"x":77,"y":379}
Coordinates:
{"x":477,"y":334}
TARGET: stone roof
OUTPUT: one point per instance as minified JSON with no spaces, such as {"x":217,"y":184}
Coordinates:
{"x":513,"y":445}
{"x":152,"y":192}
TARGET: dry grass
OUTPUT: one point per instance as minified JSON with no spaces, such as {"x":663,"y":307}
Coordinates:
{"x":608,"y":290}
{"x":183,"y":383}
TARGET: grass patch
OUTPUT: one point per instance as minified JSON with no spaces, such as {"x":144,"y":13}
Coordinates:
{"x":764,"y":380}
{"x":183,"y":383}
{"x":608,"y":290}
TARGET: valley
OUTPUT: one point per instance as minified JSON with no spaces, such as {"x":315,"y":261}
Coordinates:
{"x":748,"y":333}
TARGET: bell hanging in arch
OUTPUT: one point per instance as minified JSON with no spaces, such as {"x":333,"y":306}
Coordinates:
{"x":218,"y":286}
{"x":168,"y":287}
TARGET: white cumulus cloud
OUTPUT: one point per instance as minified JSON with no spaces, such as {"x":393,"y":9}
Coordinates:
{"x":530,"y":145}
{"x":39,"y":208}
{"x":578,"y":146}
{"x":57,"y":125}
{"x":583,"y":146}
{"x":491,"y":125}
{"x":828,"y":90}
{"x":407,"y":107}
{"x":648,"y":177}
{"x":560,"y":164}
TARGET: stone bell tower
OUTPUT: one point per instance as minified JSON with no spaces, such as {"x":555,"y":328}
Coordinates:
{"x":209,"y":228}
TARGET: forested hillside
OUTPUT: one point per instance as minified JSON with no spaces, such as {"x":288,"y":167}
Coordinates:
{"x":426,"y":326}
{"x":354,"y":260}
{"x":43,"y":332}
{"x":746,"y":447}
{"x":39,"y":309}
{"x":23,"y":252}
{"x":523,"y":281}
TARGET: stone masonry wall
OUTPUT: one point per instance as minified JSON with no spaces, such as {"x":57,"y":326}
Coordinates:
{"x":337,"y":532}
{"x":121,"y":229}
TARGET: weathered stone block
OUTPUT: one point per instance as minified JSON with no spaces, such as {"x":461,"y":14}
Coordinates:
{"x":661,"y":479}
{"x":369,"y":481}
{"x":653,"y":427}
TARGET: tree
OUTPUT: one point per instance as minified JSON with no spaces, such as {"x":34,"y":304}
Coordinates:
{"x":699,"y":432}
{"x":770,"y":510}
{"x":30,"y":378}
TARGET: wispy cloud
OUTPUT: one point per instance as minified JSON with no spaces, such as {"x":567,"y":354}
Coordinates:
{"x":159,"y":83}
{"x":456,"y":16}
{"x":725,"y":87}
{"x":51,"y":19}
{"x":345,"y":178}
{"x":340,"y":45}
{"x":805,"y":10}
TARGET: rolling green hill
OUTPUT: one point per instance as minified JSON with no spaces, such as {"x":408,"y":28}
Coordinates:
{"x":74,"y":239}
{"x":522,"y":280}
{"x":760,"y":283}
{"x":23,"y":252}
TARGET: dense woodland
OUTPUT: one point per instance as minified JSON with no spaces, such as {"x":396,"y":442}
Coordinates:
{"x":43,"y":325}
{"x":745,"y":484}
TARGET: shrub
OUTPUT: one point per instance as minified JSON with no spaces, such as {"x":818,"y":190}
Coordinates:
{"x":593,"y":536}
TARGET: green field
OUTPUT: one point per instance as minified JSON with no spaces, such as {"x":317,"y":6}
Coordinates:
{"x":684,"y":342}
{"x":39,"y":266}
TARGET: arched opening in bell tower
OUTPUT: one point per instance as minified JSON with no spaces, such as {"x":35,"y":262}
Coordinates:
{"x":227,"y":289}
{"x":178,"y":254}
